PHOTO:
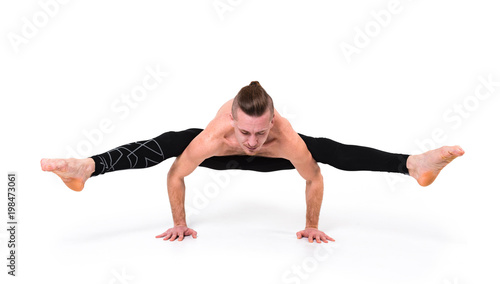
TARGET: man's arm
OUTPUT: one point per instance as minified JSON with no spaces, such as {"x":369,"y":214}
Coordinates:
{"x":197,"y":151}
{"x":314,"y":198}
{"x":307,"y":167}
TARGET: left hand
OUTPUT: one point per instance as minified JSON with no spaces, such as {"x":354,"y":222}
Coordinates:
{"x":313,"y":233}
{"x":178,"y":231}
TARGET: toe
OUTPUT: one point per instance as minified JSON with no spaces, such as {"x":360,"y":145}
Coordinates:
{"x":459,"y":151}
{"x":42,"y":164}
{"x":46,"y":165}
{"x":452,"y":152}
{"x":448,"y":153}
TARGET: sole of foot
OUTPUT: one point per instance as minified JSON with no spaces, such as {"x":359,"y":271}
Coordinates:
{"x":71,"y":171}
{"x":430,"y":164}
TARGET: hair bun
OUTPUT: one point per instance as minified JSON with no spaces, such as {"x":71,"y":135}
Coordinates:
{"x":255,"y":83}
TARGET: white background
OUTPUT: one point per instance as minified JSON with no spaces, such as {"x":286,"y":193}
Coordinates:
{"x":64,"y":78}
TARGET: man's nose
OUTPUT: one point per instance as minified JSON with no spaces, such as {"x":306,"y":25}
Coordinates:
{"x":252,"y":141}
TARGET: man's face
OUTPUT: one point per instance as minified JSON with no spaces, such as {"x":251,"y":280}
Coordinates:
{"x":251,"y":132}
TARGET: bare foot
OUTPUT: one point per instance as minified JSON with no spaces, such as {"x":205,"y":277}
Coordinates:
{"x":73,"y":172}
{"x":426,"y":167}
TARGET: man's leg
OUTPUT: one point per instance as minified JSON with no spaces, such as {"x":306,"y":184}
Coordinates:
{"x":424,"y":167}
{"x":142,"y":154}
{"x":250,"y":163}
{"x":353,"y":157}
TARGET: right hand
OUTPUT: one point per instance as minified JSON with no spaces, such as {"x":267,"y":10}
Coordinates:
{"x":177,"y":231}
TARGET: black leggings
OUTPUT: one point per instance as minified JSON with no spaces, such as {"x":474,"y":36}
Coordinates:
{"x":147,"y":153}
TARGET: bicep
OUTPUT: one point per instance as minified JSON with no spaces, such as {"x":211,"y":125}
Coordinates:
{"x":303,"y":161}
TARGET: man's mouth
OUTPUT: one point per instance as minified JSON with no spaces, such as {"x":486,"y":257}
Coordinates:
{"x":252,"y":148}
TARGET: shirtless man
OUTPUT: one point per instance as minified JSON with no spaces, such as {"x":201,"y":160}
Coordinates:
{"x":249,"y":127}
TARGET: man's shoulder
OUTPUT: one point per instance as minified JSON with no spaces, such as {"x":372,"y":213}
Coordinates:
{"x":218,"y":126}
{"x":203,"y":146}
{"x":210,"y":141}
{"x":285,"y":129}
{"x":290,"y":143}
{"x":226,"y":107}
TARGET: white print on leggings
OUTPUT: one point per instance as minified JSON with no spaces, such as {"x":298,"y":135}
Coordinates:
{"x":123,"y":107}
{"x":39,"y":19}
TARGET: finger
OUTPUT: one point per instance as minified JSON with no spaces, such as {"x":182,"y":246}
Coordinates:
{"x":167,"y":235}
{"x":161,"y":235}
{"x":174,"y":236}
{"x":323,"y":238}
{"x":311,"y":238}
{"x":318,"y":239}
{"x":181,"y":237}
{"x":299,"y":235}
{"x":329,"y":238}
{"x":194,"y":233}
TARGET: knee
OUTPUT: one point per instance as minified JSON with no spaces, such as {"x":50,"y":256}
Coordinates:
{"x":174,"y":142}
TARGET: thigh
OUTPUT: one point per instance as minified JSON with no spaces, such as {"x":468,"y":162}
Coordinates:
{"x":251,"y":163}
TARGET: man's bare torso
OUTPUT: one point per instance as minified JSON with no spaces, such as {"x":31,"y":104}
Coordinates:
{"x":280,"y":138}
{"x":218,"y":139}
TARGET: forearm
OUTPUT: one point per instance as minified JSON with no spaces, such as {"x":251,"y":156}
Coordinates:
{"x":314,"y":198}
{"x":176,"y":195}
